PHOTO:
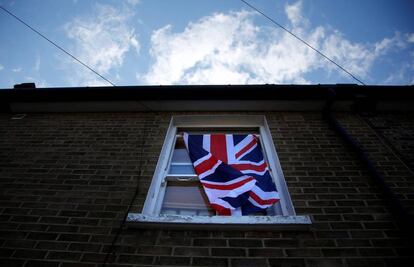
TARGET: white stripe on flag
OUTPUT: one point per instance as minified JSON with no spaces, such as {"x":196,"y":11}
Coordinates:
{"x":257,"y":204}
{"x":241,"y":178}
{"x":200,"y":160}
{"x":210,"y":171}
{"x":255,"y":172}
{"x":242,"y":189}
{"x":243,"y":143}
{"x":250,"y":162}
{"x":222,"y":203}
{"x":265,"y":195}
{"x":247,"y":151}
{"x":206,"y":142}
{"x":217,"y":193}
{"x":231,"y":154}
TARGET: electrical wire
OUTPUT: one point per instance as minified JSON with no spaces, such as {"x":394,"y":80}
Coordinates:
{"x":303,"y":41}
{"x":56,"y":45}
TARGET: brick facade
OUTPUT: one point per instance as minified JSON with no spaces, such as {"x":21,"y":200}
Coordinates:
{"x":66,"y":181}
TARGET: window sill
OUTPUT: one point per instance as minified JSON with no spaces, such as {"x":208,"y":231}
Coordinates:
{"x":279,"y":222}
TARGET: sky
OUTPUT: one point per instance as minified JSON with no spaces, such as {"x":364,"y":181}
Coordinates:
{"x":164,"y":42}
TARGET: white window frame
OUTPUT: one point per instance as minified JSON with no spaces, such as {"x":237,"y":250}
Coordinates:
{"x":151,"y":217}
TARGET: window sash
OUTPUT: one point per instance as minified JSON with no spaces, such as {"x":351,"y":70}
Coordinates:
{"x":194,"y":203}
{"x":229,"y":123}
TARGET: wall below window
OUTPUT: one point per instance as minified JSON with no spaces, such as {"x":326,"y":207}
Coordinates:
{"x":66,"y":181}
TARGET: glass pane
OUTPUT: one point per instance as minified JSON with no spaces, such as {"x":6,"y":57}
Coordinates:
{"x":181,"y":169}
{"x":185,"y":198}
{"x":180,"y":155}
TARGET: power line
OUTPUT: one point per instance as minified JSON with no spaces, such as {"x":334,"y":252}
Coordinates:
{"x":303,"y":41}
{"x":56,"y":45}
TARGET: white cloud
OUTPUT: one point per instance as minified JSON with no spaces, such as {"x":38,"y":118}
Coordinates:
{"x":402,"y":76}
{"x":101,"y":40}
{"x":231,"y":48}
{"x":410,"y":38}
{"x":404,"y":72}
{"x":1,"y":67}
{"x":294,"y":13}
{"x":133,"y":2}
{"x":17,"y":69}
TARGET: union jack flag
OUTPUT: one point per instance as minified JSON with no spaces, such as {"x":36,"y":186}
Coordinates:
{"x":233,"y":172}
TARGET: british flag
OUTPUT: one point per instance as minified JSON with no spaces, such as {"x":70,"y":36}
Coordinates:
{"x":233,"y":172}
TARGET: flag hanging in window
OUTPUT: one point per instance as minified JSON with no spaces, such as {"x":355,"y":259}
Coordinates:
{"x":233,"y":172}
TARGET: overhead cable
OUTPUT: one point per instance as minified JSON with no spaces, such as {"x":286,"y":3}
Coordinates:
{"x":303,"y":41}
{"x":56,"y":45}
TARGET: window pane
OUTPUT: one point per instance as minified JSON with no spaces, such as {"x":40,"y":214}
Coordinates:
{"x":180,"y":155}
{"x":185,"y":198}
{"x":180,"y":162}
{"x":181,"y":169}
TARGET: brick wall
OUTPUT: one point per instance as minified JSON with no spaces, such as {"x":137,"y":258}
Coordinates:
{"x":66,"y":181}
{"x":397,"y":131}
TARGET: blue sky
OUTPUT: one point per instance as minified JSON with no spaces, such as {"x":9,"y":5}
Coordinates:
{"x":137,"y":42}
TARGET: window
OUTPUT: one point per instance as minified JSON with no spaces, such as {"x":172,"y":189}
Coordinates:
{"x":176,"y":197}
{"x":184,"y":194}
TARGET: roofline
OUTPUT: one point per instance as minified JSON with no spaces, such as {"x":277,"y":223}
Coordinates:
{"x":189,"y":94}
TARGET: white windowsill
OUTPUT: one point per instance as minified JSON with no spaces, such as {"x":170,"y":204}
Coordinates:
{"x":278,"y":222}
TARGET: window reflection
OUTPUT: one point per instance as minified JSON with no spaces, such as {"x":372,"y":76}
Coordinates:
{"x":185,"y":198}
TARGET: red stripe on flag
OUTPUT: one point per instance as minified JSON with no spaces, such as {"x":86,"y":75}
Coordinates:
{"x":246,"y":166}
{"x":221,"y":210}
{"x":206,"y":165}
{"x":218,"y":146}
{"x":262,"y":201}
{"x":227,"y":186}
{"x":249,"y":145}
